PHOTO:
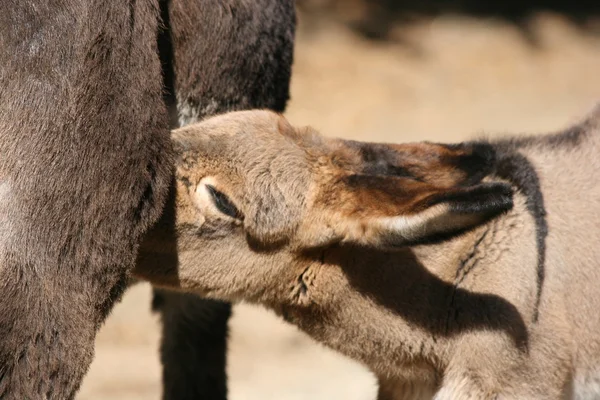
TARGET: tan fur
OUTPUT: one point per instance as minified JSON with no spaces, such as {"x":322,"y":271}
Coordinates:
{"x":453,"y":318}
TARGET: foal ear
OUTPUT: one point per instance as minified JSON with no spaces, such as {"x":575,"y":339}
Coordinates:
{"x":389,"y":211}
{"x":444,"y":165}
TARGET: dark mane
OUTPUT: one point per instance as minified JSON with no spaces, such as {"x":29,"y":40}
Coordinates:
{"x":512,"y":164}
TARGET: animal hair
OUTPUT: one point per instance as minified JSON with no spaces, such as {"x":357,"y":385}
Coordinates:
{"x":446,"y":281}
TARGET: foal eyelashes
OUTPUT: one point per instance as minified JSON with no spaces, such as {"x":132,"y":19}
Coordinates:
{"x":223,"y":203}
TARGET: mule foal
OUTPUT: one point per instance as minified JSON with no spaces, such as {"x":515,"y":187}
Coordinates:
{"x":466,"y":271}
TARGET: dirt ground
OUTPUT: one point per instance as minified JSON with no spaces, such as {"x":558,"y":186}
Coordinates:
{"x":448,"y":79}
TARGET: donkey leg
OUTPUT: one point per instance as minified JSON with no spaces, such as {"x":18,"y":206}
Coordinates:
{"x":194,"y":339}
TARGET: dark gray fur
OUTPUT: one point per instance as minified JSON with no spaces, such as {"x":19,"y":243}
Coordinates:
{"x":85,"y":162}
{"x":193,"y":347}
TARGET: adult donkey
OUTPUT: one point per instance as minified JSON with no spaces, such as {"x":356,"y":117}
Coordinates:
{"x":85,"y":156}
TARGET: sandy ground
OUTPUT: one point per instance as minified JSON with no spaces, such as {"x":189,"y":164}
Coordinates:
{"x":453,"y":78}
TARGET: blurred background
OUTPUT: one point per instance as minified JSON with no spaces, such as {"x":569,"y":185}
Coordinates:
{"x":382,"y":70}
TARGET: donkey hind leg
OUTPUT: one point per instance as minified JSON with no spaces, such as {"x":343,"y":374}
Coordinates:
{"x":193,"y":348}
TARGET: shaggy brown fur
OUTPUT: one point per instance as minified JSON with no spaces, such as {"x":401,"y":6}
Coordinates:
{"x":218,"y":55}
{"x":243,"y":61}
{"x":84,"y":170}
{"x":445,"y":281}
{"x":86,"y":165}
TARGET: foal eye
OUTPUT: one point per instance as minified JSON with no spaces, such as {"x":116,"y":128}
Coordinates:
{"x":223,"y":203}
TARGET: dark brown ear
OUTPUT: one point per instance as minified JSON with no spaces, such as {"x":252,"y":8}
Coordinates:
{"x":438,"y":164}
{"x":390,"y":211}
